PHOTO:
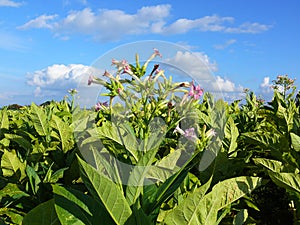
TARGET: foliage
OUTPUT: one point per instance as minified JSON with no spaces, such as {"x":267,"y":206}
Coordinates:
{"x":165,"y":155}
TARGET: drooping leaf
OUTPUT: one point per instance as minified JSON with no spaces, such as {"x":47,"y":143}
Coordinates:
{"x":43,"y":214}
{"x":107,"y":191}
{"x":11,"y":164}
{"x":287,"y":180}
{"x":21,"y":141}
{"x":270,"y":164}
{"x":13,"y":191}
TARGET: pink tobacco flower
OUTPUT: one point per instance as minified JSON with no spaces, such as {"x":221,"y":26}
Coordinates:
{"x":90,"y":80}
{"x":211,"y":133}
{"x":157,"y":53}
{"x":127,"y":69}
{"x":196,"y":91}
{"x":120,"y":65}
{"x":100,"y":105}
{"x":189,"y":133}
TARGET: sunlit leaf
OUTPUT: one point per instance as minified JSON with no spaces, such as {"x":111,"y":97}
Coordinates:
{"x":11,"y":164}
{"x":295,"y":142}
{"x":107,"y":191}
{"x":202,"y":209}
{"x":39,"y":120}
{"x":287,"y":180}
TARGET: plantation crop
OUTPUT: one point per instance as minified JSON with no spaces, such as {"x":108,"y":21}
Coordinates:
{"x":165,"y":153}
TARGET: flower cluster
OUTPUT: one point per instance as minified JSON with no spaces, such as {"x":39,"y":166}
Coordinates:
{"x":283,"y":83}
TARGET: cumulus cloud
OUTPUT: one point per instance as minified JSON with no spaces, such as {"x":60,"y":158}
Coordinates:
{"x":196,"y":64}
{"x":225,"y":85}
{"x":265,"y":86}
{"x":110,"y":25}
{"x":10,"y":3}
{"x":200,"y":68}
{"x":59,"y":78}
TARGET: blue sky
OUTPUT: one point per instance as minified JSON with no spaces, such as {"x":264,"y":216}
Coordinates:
{"x":47,"y":47}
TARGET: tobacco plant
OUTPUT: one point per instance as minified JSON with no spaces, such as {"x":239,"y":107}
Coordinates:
{"x":156,"y":152}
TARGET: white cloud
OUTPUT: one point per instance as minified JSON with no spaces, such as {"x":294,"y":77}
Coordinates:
{"x":110,"y":25}
{"x":225,"y":85}
{"x":10,"y":3}
{"x":225,"y":45}
{"x":265,"y":86}
{"x":200,"y":68}
{"x":196,"y":64}
{"x":251,"y":28}
{"x":58,"y":78}
{"x":208,"y":23}
{"x":39,"y":22}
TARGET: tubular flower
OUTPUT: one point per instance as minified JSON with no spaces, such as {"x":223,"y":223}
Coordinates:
{"x":211,"y":133}
{"x":157,"y":53}
{"x":91,"y":79}
{"x":127,"y":70}
{"x":107,"y":74}
{"x":195,"y":91}
{"x":189,"y":133}
{"x":120,"y":65}
{"x":100,"y":105}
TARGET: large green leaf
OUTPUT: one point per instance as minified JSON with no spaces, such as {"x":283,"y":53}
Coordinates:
{"x":165,"y":167}
{"x":13,"y":191}
{"x":21,"y":141}
{"x":270,"y":164}
{"x":199,"y":209}
{"x":11,"y":164}
{"x":295,"y":142}
{"x":198,"y":194}
{"x":4,"y":122}
{"x":164,"y":191}
{"x":231,"y":134}
{"x":107,"y":191}
{"x":75,"y":207}
{"x":43,"y":214}
{"x":137,"y":177}
{"x":15,"y":216}
{"x":39,"y":119}
{"x":287,"y":180}
{"x":34,"y":179}
{"x":63,"y":132}
{"x":121,"y":134}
